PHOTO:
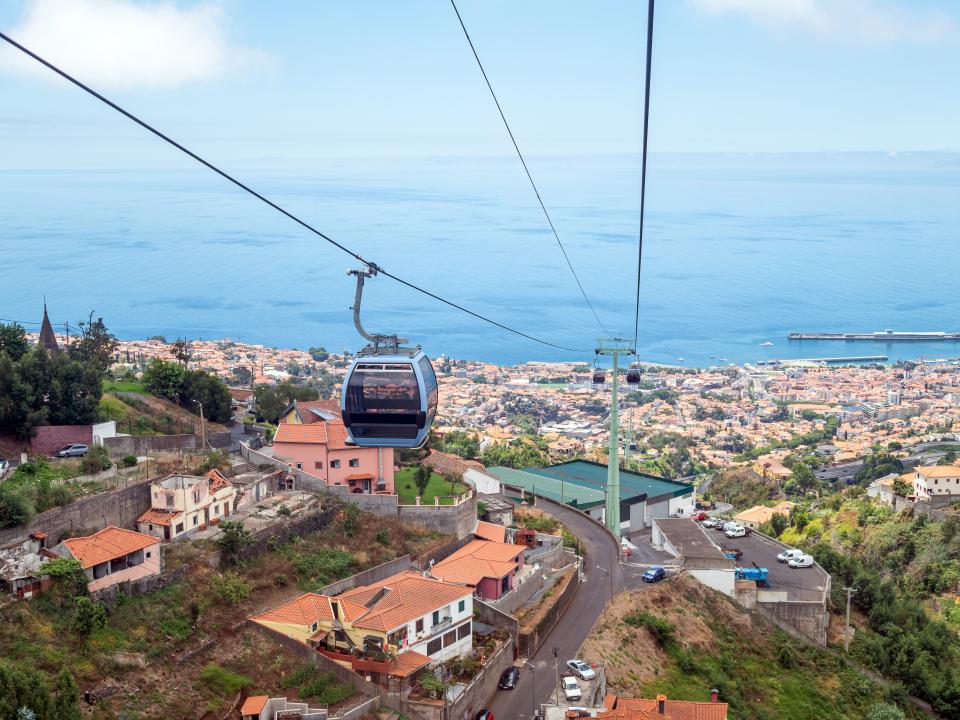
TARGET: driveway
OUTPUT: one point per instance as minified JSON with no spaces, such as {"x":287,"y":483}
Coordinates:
{"x":575,"y":624}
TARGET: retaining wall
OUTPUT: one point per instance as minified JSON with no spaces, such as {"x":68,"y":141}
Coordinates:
{"x":110,"y":595}
{"x":809,"y":619}
{"x":47,"y":438}
{"x":490,"y":615}
{"x":529,"y":642}
{"x":123,"y":445}
{"x":117,"y":507}
{"x":374,"y":574}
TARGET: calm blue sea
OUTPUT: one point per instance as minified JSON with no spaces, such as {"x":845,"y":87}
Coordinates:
{"x":740,"y":250}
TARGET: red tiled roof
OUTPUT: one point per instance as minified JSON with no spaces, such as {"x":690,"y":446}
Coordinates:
{"x":304,"y":409}
{"x":410,"y":596}
{"x":310,"y":608}
{"x":216,"y":480}
{"x":108,"y":544}
{"x":332,"y":434}
{"x":254,"y":704}
{"x":622,"y":708}
{"x":360,"y":476}
{"x":486,"y":550}
{"x":447,"y":464}
{"x":158,"y":517}
{"x":490,"y":531}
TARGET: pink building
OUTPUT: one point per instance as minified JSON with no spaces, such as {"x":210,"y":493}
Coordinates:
{"x":488,"y":567}
{"x":113,"y":555}
{"x":321,"y":449}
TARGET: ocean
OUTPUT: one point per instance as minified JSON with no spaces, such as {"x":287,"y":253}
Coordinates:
{"x":739,"y":251}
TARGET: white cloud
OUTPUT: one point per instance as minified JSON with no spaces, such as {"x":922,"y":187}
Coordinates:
{"x":874,"y":21}
{"x":121,"y":44}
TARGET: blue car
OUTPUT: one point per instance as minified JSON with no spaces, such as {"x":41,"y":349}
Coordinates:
{"x":654,"y":574}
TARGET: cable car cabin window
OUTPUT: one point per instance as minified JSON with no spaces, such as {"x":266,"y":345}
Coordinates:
{"x":384,"y":388}
{"x":430,"y":388}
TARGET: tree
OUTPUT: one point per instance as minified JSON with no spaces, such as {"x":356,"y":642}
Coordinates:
{"x":95,"y":346}
{"x":182,"y":352}
{"x":464,"y":444}
{"x":164,"y":379}
{"x":421,"y":478}
{"x":949,"y":458}
{"x":233,"y":539}
{"x":87,"y":617}
{"x":66,"y":703}
{"x":803,"y":476}
{"x":199,"y":386}
{"x":878,"y":464}
{"x":272,"y":400}
{"x":13,"y":341}
{"x":319,"y":354}
{"x":901,"y":487}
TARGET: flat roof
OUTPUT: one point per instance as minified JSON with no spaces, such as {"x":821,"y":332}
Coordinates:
{"x":592,"y":474}
{"x":579,"y":496}
{"x":689,"y":538}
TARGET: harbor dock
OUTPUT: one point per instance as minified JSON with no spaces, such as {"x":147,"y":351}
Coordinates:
{"x":884,"y":336}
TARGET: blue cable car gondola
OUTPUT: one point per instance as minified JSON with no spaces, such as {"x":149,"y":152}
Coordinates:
{"x":633,"y":373}
{"x":389,"y":396}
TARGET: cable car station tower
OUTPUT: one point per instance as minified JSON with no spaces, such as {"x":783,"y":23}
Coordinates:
{"x":614,"y":347}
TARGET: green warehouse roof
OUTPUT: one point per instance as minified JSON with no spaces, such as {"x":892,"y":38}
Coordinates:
{"x":576,"y":494}
{"x":594,"y":475}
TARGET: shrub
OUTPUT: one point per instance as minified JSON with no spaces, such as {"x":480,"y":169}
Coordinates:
{"x":283,"y":510}
{"x":431,"y":685}
{"x":96,"y":460}
{"x":129,"y":461}
{"x":660,"y":629}
{"x":230,"y":587}
{"x":222,"y":681}
{"x":280,"y":579}
{"x":383,"y":536}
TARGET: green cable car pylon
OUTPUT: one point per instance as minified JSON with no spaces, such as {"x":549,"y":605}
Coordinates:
{"x":614,"y":347}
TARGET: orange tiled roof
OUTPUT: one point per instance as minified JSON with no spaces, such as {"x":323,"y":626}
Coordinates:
{"x":477,"y":560}
{"x":939,"y":471}
{"x":411,"y":596}
{"x":487,"y":550}
{"x":216,"y":480}
{"x":332,"y":434}
{"x":621,"y":708}
{"x":310,"y":608}
{"x":254,"y":704}
{"x":108,"y":544}
{"x":155,"y":516}
{"x":305,"y":409}
{"x":408,"y":663}
{"x":490,"y":531}
{"x":360,"y":476}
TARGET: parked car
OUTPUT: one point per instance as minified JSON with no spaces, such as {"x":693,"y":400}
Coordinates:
{"x":788,"y":555}
{"x":509,"y":678}
{"x":483,"y":715}
{"x":654,"y":574}
{"x":255,"y":442}
{"x":75,"y":450}
{"x":700,"y":516}
{"x":4,"y":466}
{"x":736,"y":531}
{"x":710,"y":522}
{"x":581,"y":669}
{"x":571,"y":688}
{"x":720,"y":524}
{"x":802,"y":561}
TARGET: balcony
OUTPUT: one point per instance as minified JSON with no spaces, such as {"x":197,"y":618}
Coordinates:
{"x":441,"y":626}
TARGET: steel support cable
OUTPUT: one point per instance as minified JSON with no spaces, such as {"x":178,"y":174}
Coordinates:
{"x":526,"y":169}
{"x":643,"y":166}
{"x":370,"y":264}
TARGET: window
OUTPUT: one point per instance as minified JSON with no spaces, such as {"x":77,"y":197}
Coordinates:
{"x":434,"y":646}
{"x":149,"y":554}
{"x":313,"y":628}
{"x":334,"y":464}
{"x":194,"y":520}
{"x":461,"y":606}
{"x":299,"y":466}
{"x":318,"y":465}
{"x":178,"y":528}
{"x":463,"y":631}
{"x":216,"y":509}
{"x":354,"y":462}
{"x":419,"y":625}
{"x":436,"y":617}
{"x":450,"y":638}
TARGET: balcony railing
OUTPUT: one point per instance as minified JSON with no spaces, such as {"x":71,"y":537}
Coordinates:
{"x":444,"y":624}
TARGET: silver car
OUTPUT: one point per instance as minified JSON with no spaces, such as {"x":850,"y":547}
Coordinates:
{"x":74,"y":450}
{"x":581,"y":669}
{"x":4,"y":467}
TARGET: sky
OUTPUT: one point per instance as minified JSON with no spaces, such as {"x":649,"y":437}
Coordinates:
{"x":279,"y":86}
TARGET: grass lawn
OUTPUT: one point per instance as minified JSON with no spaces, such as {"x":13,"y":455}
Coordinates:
{"x":122,"y":386}
{"x":437,"y":486}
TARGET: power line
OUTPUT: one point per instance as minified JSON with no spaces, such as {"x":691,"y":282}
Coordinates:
{"x":275,"y":206}
{"x":527,"y":170}
{"x":643,"y":165}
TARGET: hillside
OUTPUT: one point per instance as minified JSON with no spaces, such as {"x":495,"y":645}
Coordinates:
{"x":682,"y":639}
{"x":742,"y":488}
{"x":139,"y":413}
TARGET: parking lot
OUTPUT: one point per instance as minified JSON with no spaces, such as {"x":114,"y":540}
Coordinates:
{"x":800,"y":584}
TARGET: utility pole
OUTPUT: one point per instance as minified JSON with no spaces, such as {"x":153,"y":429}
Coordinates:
{"x":847,"y":630}
{"x":203,"y":426}
{"x":556,"y":670}
{"x":615,"y":347}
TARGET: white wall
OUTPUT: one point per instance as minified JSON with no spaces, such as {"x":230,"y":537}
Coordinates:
{"x":457,"y":649}
{"x":103,"y":430}
{"x":722,"y":580}
{"x":684,"y":502}
{"x":482,"y":483}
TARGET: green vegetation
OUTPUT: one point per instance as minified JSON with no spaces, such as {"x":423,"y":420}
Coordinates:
{"x":112,"y":386}
{"x":741,"y":487}
{"x":233,"y":539}
{"x":457,"y":442}
{"x":223,"y":681}
{"x":26,"y":692}
{"x":274,"y":399}
{"x":661,"y":631}
{"x":189,"y":388}
{"x":437,"y":486}
{"x":320,"y":687}
{"x":521,"y":452}
{"x":317,"y":567}
{"x":230,"y":587}
{"x":32,"y":488}
{"x":40,"y":388}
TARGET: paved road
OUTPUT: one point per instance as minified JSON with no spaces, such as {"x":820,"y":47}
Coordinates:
{"x":575,"y":625}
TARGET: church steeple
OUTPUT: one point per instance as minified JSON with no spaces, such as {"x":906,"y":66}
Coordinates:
{"x":47,"y":337}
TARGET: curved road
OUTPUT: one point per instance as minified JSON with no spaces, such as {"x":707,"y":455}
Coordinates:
{"x":578,"y":619}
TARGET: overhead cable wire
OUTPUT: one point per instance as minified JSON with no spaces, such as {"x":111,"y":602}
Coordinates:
{"x":246,"y":188}
{"x":526,"y":169}
{"x":643,"y":166}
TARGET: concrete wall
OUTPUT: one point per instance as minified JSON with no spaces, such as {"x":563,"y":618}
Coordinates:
{"x":482,"y":688}
{"x":720,"y":579}
{"x":808,"y":619}
{"x":104,"y":430}
{"x":497,"y":618}
{"x":374,"y":574}
{"x":529,"y":642}
{"x":118,"y":507}
{"x":48,"y":438}
{"x":110,"y":595}
{"x":124,"y":445}
{"x":481,"y":481}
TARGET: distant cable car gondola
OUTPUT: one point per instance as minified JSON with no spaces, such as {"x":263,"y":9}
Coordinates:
{"x":389,"y":396}
{"x":633,"y":373}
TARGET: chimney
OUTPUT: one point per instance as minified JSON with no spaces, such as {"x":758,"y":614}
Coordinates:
{"x":713,"y":695}
{"x":661,"y":704}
